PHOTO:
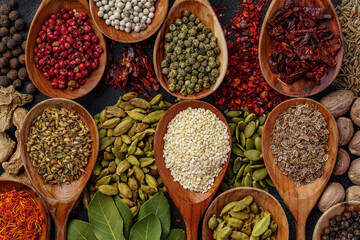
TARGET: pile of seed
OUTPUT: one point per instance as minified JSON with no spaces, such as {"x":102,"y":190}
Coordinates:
{"x":349,"y":17}
{"x":191,"y":51}
{"x":299,"y":143}
{"x":196,"y":146}
{"x":127,"y":15}
{"x":344,"y":226}
{"x":12,"y":48}
{"x":59,"y":145}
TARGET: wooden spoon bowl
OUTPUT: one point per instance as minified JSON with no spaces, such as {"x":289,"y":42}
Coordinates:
{"x":46,"y":8}
{"x":262,"y":198}
{"x":337,"y":209}
{"x":191,"y":205}
{"x":8,"y":185}
{"x":59,"y":199}
{"x":203,"y":10}
{"x":161,"y":8}
{"x":303,"y":87}
{"x":300,"y":200}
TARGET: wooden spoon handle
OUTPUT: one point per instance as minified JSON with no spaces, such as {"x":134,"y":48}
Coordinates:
{"x":301,"y":229}
{"x":60,"y":213}
{"x":192,"y":230}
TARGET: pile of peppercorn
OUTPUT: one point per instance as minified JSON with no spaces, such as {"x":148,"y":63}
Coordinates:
{"x":12,"y":48}
{"x":344,"y":226}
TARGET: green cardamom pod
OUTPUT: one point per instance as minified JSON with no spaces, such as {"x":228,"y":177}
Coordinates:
{"x":108,"y":156}
{"x":102,"y":133}
{"x":112,"y":111}
{"x":142,"y":195}
{"x":112,"y":167}
{"x":138,"y":152}
{"x":117,"y":153}
{"x":108,"y":190}
{"x":103,"y":181}
{"x":133,"y":160}
{"x":144,"y":162}
{"x":133,"y":185}
{"x":139,"y":174}
{"x":153,"y":117}
{"x":126,"y":106}
{"x":102,"y":117}
{"x":124,"y":190}
{"x":147,"y":189}
{"x":126,"y":139}
{"x":128,"y":202}
{"x":97,"y":169}
{"x":151,"y":181}
{"x":213,"y":222}
{"x":140,"y":127}
{"x":135,"y":115}
{"x":124,"y":148}
{"x":122,"y":127}
{"x":262,"y":225}
{"x":140,"y":136}
{"x":106,"y":142}
{"x":135,"y":211}
{"x":164,"y":105}
{"x":156,"y":100}
{"x":122,"y":167}
{"x":130,"y":95}
{"x":111,"y":123}
{"x":133,"y":146}
{"x":139,"y":102}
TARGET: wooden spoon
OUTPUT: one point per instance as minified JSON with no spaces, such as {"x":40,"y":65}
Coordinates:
{"x":161,"y":8}
{"x":203,"y":10}
{"x":300,"y":200}
{"x":8,"y":185}
{"x":46,"y":8}
{"x":262,"y":198}
{"x":191,"y":205}
{"x":332,"y":212}
{"x":59,"y":199}
{"x":302,"y":88}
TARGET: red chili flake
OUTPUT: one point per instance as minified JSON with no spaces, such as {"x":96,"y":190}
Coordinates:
{"x":244,"y":85}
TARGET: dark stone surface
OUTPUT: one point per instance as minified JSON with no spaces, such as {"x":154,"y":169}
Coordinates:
{"x":101,"y":97}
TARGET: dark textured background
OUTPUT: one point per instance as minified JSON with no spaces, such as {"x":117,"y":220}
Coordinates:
{"x":101,"y":97}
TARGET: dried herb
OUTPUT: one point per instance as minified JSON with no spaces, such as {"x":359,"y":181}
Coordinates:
{"x":305,"y":49}
{"x":148,"y":228}
{"x":19,"y":216}
{"x":244,"y":85}
{"x":80,"y":230}
{"x":134,"y":68}
{"x":349,"y":76}
{"x":299,"y":143}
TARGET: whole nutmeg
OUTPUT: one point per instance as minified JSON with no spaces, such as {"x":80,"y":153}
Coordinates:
{"x":11,"y":44}
{"x":333,"y":194}
{"x":23,"y":75}
{"x":17,"y":83}
{"x":338,"y":102}
{"x":345,"y":130}
{"x":354,"y":171}
{"x":30,"y":88}
{"x":12,"y":74}
{"x":354,"y":145}
{"x":13,"y":15}
{"x":355,"y":112}
{"x":7,"y":54}
{"x":18,"y":38}
{"x":5,"y":39}
{"x":12,"y":4}
{"x":342,"y":162}
{"x":4,"y":81}
{"x":23,"y":45}
{"x":5,"y":9}
{"x":16,"y":51}
{"x":22,"y":59}
{"x":4,"y":62}
{"x":5,"y":21}
{"x":20,"y":24}
{"x":14,"y":63}
{"x":4,"y":31}
{"x":353,"y":193}
{"x":4,"y":70}
{"x":12,"y":30}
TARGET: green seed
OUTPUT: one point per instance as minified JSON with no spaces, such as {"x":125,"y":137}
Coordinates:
{"x":236,"y":120}
{"x":242,"y":139}
{"x":249,"y":144}
{"x":270,"y":182}
{"x":257,"y":142}
{"x":250,"y":129}
{"x":237,"y":151}
{"x":243,"y":203}
{"x":253,"y":155}
{"x":232,"y":114}
{"x":250,"y":117}
{"x":242,"y":125}
{"x":262,"y":225}
{"x":260,"y":174}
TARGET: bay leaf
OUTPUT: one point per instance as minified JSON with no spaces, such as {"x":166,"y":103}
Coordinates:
{"x":105,"y":219}
{"x":126,"y":215}
{"x":176,"y":234}
{"x":80,"y":230}
{"x":148,"y":228}
{"x":160,"y":206}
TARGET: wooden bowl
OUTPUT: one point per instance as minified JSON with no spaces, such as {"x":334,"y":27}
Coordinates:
{"x":262,"y":198}
{"x":303,"y":87}
{"x":161,"y":8}
{"x":8,"y":185}
{"x":43,"y":13}
{"x":337,"y":209}
{"x":60,"y":199}
{"x":301,"y":199}
{"x":191,"y":205}
{"x":203,"y":10}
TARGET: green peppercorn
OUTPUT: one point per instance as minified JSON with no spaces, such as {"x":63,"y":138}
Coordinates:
{"x":192,"y":31}
{"x":200,"y":82}
{"x":194,"y":72}
{"x":206,"y":41}
{"x":181,"y":82}
{"x":206,"y":85}
{"x":192,"y":85}
{"x":213,"y":44}
{"x":188,"y":69}
{"x":178,"y":22}
{"x":177,"y":87}
{"x":178,"y":50}
{"x":164,"y":64}
{"x":190,"y":24}
{"x":200,"y":58}
{"x":201,"y":45}
{"x":196,"y":65}
{"x":172,"y":27}
{"x":212,"y":79}
{"x":182,"y":65}
{"x":187,"y":44}
{"x":165,"y":71}
{"x":192,"y":17}
{"x":206,"y":30}
{"x":215,"y":72}
{"x":197,"y":88}
{"x":201,"y":69}
{"x":181,"y":36}
{"x":181,"y":57}
{"x":197,"y":21}
{"x":201,"y":37}
{"x":172,"y":80}
{"x":168,"y":37}
{"x":194,"y":79}
{"x":201,"y":75}
{"x":183,"y":91}
{"x":174,"y":65}
{"x":208,"y":69}
{"x":172,"y":87}
{"x":217,"y":50}
{"x":185,"y":20}
{"x":206,"y":79}
{"x":188,"y":76}
{"x":201,"y":26}
{"x":190,"y":90}
{"x":172,"y":73}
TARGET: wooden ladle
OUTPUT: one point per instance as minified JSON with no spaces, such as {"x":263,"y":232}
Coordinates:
{"x":191,"y":205}
{"x":59,"y":199}
{"x":303,"y":87}
{"x":203,"y":10}
{"x":300,"y":200}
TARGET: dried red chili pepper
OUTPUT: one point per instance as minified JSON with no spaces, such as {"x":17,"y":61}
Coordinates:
{"x":304,"y":49}
{"x":244,"y":85}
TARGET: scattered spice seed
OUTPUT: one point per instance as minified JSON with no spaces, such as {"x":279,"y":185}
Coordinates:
{"x":19,"y":216}
{"x":349,"y":76}
{"x":244,"y":85}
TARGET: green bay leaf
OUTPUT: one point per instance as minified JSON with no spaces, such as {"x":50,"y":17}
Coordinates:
{"x":80,"y":230}
{"x":148,"y":228}
{"x":105,"y":218}
{"x":176,"y":234}
{"x":160,"y":206}
{"x":125,"y":214}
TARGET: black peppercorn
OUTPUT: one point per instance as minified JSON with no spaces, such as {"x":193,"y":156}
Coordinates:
{"x":23,"y":75}
{"x":22,"y":59}
{"x":4,"y":70}
{"x":4,"y":31}
{"x":338,"y":218}
{"x":23,"y":45}
{"x":20,"y":24}
{"x":12,"y":74}
{"x":14,"y":63}
{"x":16,"y":52}
{"x":14,"y":15}
{"x":5,"y":9}
{"x":7,"y":54}
{"x":17,"y":83}
{"x":4,"y":21}
{"x":4,"y":81}
{"x":11,"y":44}
{"x":3,"y":47}
{"x":12,"y":4}
{"x":4,"y":62}
{"x":12,"y":30}
{"x":30,"y":88}
{"x":18,"y":38}
{"x":5,"y":39}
